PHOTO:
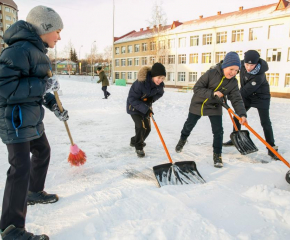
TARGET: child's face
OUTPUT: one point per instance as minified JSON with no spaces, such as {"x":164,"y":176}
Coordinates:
{"x":158,"y":79}
{"x":250,"y":67}
{"x":231,"y":71}
{"x":51,"y":38}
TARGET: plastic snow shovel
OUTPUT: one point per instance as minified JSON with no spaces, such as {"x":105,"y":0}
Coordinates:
{"x":259,"y":137}
{"x":177,"y":173}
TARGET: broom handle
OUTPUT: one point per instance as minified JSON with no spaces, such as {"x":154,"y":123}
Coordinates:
{"x":161,"y":138}
{"x":261,"y":139}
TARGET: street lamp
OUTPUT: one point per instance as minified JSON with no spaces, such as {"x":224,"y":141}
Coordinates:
{"x":92,"y":58}
{"x":80,"y":62}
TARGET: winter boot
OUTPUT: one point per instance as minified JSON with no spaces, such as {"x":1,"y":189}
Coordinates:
{"x":13,"y":233}
{"x":228,"y":143}
{"x":180,"y":145}
{"x":217,"y":159}
{"x":41,"y":197}
{"x":140,"y":153}
{"x":272,"y":155}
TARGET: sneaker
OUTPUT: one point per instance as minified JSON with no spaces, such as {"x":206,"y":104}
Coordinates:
{"x":140,"y":153}
{"x":133,"y":144}
{"x":180,"y":145}
{"x":272,"y":155}
{"x":228,"y":143}
{"x":217,"y":159}
{"x":41,"y":197}
{"x":13,"y":233}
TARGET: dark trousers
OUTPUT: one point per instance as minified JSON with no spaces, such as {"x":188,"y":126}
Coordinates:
{"x":24,"y":174}
{"x":216,"y":126}
{"x":265,"y":123}
{"x":142,"y":130}
{"x":106,"y":93}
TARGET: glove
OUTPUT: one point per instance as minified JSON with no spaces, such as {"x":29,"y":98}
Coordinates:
{"x":149,"y":112}
{"x":148,"y":100}
{"x":62,"y":116}
{"x":52,"y":84}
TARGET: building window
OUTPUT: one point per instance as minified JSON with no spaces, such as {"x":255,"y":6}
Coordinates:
{"x":144,"y":60}
{"x":219,"y":56}
{"x":162,"y":44}
{"x":152,"y":60}
{"x":7,"y":9}
{"x":123,"y":50}
{"x":8,"y":18}
{"x":240,"y":53}
{"x":170,"y":76}
{"x":273,"y":55}
{"x":144,"y":47}
{"x":275,"y":31}
{"x":135,"y":75}
{"x":238,"y":35}
{"x":152,"y":46}
{"x":136,"y":60}
{"x":130,"y":49}
{"x":194,"y":40}
{"x":181,"y":76}
{"x":1,"y":33}
{"x":117,"y":62}
{"x":182,"y":59}
{"x":117,"y":75}
{"x":193,"y":58}
{"x":206,"y":58}
{"x":123,"y":75}
{"x":171,"y":59}
{"x":255,"y":33}
{"x":129,"y":62}
{"x":123,"y":62}
{"x":0,"y":16}
{"x":207,"y":39}
{"x":171,"y":43}
{"x":129,"y":75}
{"x":137,"y":47}
{"x":273,"y":79}
{"x":221,"y":37}
{"x":287,"y":80}
{"x":8,"y":26}
{"x":182,"y":42}
{"x":117,"y":50}
{"x":259,"y":51}
{"x":162,"y":59}
{"x":192,"y":77}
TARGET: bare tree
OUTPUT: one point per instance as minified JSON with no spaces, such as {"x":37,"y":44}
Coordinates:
{"x":108,"y":57}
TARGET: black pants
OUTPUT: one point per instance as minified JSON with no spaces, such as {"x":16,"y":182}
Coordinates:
{"x":106,"y":93}
{"x":142,"y":130}
{"x":265,"y":123}
{"x":216,"y":126}
{"x":24,"y":174}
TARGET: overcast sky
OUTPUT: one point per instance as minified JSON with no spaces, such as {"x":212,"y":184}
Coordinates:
{"x":86,"y":21}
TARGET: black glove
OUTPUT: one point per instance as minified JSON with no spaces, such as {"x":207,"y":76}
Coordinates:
{"x":62,"y":116}
{"x":149,"y":112}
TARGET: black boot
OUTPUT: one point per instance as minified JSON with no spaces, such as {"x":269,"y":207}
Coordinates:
{"x":140,"y":153}
{"x":13,"y":233}
{"x":228,"y":143}
{"x":41,"y":197}
{"x":217,"y":159}
{"x":272,"y":155}
{"x":180,"y":145}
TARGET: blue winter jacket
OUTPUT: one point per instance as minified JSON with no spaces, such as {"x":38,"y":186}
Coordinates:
{"x":23,"y":75}
{"x":142,"y":89}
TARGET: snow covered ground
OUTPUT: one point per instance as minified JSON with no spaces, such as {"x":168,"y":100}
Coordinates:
{"x":115,"y":196}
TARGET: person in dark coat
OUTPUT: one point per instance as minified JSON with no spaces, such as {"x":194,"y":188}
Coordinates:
{"x":104,"y":80}
{"x":255,"y":91}
{"x":218,"y":81}
{"x":24,"y":87}
{"x":148,"y":88}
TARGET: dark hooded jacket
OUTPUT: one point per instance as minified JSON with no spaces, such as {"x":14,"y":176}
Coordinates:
{"x":255,"y":89}
{"x":103,"y":78}
{"x":143,"y":88}
{"x":23,"y":75}
{"x":204,"y":103}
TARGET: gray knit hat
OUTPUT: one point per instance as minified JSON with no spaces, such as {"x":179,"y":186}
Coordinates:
{"x":44,"y":20}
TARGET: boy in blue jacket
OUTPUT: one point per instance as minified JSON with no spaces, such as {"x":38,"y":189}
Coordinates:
{"x":147,"y":89}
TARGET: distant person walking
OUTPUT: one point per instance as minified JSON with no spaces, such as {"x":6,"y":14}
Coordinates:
{"x":104,"y":80}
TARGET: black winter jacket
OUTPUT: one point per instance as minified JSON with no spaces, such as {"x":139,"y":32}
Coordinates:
{"x":23,"y":75}
{"x":203,"y":102}
{"x":142,"y":89}
{"x":255,"y":89}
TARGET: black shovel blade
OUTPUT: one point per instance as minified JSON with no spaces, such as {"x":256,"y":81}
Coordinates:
{"x":242,"y":141}
{"x":178,"y":173}
{"x":288,"y":177}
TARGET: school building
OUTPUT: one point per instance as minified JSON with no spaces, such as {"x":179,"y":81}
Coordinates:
{"x":190,"y":48}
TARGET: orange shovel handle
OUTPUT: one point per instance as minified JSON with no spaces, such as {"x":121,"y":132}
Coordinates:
{"x":234,"y":123}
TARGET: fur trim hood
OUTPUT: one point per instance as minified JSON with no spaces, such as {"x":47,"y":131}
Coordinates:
{"x":142,"y":74}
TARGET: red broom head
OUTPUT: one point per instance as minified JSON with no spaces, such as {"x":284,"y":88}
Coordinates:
{"x":76,"y":157}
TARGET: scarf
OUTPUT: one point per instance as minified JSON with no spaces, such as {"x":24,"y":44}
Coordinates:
{"x":256,"y":69}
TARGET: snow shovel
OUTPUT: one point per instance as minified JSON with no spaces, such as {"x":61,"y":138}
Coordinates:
{"x":177,"y":173}
{"x":259,"y":137}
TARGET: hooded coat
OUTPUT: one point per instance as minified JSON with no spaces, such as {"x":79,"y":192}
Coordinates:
{"x":255,"y":89}
{"x":103,"y":78}
{"x":203,"y":102}
{"x":142,"y":89}
{"x":23,"y":76}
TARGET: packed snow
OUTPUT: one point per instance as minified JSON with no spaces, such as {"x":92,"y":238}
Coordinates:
{"x":115,"y":195}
